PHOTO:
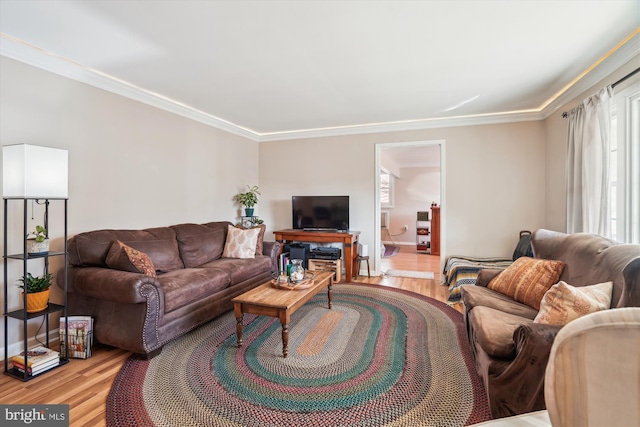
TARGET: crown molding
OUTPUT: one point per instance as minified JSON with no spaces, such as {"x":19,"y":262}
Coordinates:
{"x":483,"y":119}
{"x":619,"y":57}
{"x":20,"y":51}
{"x":40,"y":58}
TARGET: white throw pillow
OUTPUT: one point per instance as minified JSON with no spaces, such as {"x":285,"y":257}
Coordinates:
{"x":563,"y":303}
{"x":241,"y":243}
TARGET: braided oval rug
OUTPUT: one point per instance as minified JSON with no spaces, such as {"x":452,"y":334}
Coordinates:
{"x":380,"y":356}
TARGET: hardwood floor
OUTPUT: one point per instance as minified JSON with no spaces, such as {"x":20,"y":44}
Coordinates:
{"x":85,"y":384}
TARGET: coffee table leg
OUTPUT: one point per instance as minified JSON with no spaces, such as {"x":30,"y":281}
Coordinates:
{"x":238,"y":312}
{"x":329,"y":294}
{"x":285,"y":339}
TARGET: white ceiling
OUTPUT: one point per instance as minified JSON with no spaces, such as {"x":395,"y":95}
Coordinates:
{"x":284,"y":69}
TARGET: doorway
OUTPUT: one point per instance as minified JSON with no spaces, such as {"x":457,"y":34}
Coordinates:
{"x":414,"y":160}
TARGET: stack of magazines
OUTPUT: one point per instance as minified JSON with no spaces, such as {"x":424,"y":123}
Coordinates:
{"x":80,"y":336}
{"x":39,"y":359}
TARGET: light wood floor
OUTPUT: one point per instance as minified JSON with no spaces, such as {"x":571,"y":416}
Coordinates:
{"x":85,"y":384}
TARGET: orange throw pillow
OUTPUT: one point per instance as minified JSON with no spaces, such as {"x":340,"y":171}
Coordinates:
{"x":527,"y":280}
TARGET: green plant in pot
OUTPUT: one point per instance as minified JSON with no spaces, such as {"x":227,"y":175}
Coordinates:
{"x":39,"y":243}
{"x":37,"y":290}
{"x":248,"y":199}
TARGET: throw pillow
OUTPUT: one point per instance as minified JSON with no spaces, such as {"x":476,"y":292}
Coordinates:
{"x":262,"y":228}
{"x":527,"y":280}
{"x":125,"y":258}
{"x":241,"y":243}
{"x":563,"y":303}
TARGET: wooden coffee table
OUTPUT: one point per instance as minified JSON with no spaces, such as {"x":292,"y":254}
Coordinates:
{"x":266,"y":300}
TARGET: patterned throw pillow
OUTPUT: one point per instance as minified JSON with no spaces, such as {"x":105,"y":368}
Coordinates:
{"x":527,"y":280}
{"x":241,"y":243}
{"x":563,"y":303}
{"x":125,"y":258}
{"x":262,"y":229}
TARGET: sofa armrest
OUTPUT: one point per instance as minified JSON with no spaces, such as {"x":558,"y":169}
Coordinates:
{"x":272,"y":250}
{"x":111,"y":285}
{"x":534,"y":338}
{"x":485,"y":275}
{"x":520,"y":387}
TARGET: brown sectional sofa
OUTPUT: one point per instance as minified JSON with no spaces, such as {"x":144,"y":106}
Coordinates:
{"x":510,"y":350}
{"x":194,"y":283}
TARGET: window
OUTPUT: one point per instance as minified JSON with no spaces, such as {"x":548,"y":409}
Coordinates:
{"x":386,"y":189}
{"x":625,"y":166}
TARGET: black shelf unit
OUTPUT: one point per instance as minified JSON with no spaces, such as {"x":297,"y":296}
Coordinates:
{"x":21,"y":314}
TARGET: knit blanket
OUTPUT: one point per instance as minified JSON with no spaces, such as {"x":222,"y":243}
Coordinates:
{"x":463,"y":270}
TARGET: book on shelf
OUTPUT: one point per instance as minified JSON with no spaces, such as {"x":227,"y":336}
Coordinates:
{"x":80,"y":337}
{"x":39,"y":368}
{"x":283,"y":262}
{"x":36,"y":356}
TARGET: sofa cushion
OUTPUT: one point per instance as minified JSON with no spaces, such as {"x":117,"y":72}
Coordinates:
{"x":493,"y":331}
{"x":125,"y":258}
{"x":240,"y":243}
{"x":479,"y":296}
{"x":183,"y":287}
{"x":527,"y":279}
{"x":160,"y":244}
{"x":199,"y":244}
{"x":563,"y":303}
{"x":240,"y":270}
{"x":262,"y":228}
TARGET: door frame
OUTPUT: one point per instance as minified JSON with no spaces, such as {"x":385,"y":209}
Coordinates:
{"x":443,"y":205}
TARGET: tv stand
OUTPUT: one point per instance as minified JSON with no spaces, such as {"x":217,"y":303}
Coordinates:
{"x":348,"y":239}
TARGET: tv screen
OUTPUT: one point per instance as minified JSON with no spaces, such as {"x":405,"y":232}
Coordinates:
{"x":316,"y":213}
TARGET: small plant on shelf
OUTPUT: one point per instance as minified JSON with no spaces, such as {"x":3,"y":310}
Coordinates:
{"x":248,"y":199}
{"x":37,"y":290}
{"x":32,"y":285}
{"x":256,"y":221}
{"x":37,"y":241}
{"x":40,"y":235}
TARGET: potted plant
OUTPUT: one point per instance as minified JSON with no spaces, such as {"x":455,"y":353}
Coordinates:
{"x":256,"y":221}
{"x":248,"y":199}
{"x":39,"y":243}
{"x":37,"y":290}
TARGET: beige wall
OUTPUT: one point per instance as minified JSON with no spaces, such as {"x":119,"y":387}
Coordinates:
{"x":130,"y":165}
{"x":556,"y":146}
{"x":494,"y":178}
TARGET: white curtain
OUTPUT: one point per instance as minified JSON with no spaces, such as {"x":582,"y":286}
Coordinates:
{"x":588,"y":165}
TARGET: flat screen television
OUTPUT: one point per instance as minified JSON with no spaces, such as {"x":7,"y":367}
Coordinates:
{"x":320,"y":213}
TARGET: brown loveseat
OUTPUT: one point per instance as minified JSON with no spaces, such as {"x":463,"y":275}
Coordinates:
{"x":194,"y":283}
{"x":510,"y":350}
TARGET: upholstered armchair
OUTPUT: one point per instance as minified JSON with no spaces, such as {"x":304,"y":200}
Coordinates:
{"x":593,"y":375}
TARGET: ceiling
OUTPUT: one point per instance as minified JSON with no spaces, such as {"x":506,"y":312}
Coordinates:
{"x":290,"y":69}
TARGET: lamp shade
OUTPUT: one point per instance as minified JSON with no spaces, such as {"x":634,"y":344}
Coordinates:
{"x":31,"y":171}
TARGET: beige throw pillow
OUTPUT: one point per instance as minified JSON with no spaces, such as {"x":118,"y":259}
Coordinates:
{"x":241,"y":243}
{"x":262,"y":228}
{"x":563,"y":303}
{"x":527,"y":279}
